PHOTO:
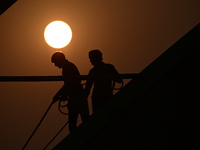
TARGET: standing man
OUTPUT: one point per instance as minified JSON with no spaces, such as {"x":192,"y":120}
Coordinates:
{"x":101,"y":75}
{"x":71,"y":90}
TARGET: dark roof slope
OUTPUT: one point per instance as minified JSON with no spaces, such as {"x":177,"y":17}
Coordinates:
{"x":157,"y":110}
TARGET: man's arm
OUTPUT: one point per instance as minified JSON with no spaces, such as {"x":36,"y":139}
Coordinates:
{"x":59,"y":93}
{"x":116,"y":76}
{"x":89,"y":83}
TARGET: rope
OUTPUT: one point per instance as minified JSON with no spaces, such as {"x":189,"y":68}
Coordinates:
{"x":37,"y":126}
{"x":59,"y":107}
{"x":55,"y":136}
{"x":62,"y":106}
{"x":122,"y":84}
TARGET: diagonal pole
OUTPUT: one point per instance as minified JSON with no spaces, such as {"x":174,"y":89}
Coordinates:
{"x":37,"y":126}
{"x":55,"y":136}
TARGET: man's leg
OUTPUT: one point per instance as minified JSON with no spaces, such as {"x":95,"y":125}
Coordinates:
{"x":73,"y":116}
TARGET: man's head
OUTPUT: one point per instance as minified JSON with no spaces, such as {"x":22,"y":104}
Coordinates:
{"x":95,"y":57}
{"x":58,"y":58}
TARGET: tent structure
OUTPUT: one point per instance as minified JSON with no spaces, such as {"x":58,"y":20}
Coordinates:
{"x":159,"y":109}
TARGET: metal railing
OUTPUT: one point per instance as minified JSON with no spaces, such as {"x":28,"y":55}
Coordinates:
{"x":55,"y":78}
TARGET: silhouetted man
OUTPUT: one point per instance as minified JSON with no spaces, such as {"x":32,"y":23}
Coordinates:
{"x":101,"y":75}
{"x":71,"y":90}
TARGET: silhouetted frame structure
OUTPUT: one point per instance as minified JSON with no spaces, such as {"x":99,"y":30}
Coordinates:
{"x":160,"y":109}
{"x":55,"y":78}
{"x":5,"y":4}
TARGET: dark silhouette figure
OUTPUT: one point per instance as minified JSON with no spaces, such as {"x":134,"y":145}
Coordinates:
{"x":72,"y":90}
{"x":101,"y":75}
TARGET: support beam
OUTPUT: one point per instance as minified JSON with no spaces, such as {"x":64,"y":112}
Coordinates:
{"x":5,"y":4}
{"x":52,"y":78}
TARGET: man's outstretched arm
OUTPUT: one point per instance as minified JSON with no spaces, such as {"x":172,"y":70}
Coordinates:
{"x":59,"y":93}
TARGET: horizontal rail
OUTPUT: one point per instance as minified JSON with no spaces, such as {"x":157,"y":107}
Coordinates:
{"x":54,"y":78}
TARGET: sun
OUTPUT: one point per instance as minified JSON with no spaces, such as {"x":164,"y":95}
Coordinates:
{"x":58,"y":34}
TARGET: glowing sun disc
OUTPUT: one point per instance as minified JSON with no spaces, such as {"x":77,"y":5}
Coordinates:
{"x":58,"y":34}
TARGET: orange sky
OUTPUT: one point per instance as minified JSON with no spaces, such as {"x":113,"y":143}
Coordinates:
{"x":130,"y":34}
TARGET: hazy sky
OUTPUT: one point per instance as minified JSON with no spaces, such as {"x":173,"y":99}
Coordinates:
{"x":130,"y":34}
